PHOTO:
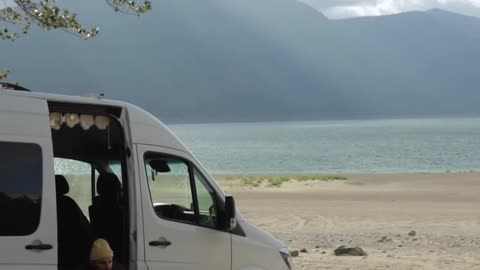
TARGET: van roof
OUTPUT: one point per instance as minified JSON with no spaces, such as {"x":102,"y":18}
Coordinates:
{"x":144,"y":127}
{"x":94,"y":100}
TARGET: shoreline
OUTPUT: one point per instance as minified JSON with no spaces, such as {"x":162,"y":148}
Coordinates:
{"x":223,"y":176}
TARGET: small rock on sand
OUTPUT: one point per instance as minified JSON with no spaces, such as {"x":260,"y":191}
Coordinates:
{"x":384,"y":240}
{"x":355,"y":251}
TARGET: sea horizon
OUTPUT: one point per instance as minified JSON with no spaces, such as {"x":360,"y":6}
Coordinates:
{"x":340,"y":119}
{"x":399,"y":145}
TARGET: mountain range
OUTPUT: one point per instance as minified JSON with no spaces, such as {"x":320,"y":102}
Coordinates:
{"x":251,"y":60}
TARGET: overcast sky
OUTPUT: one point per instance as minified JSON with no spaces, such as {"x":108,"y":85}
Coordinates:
{"x":336,"y":9}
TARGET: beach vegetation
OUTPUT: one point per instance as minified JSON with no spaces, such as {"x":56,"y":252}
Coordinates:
{"x":251,"y":181}
{"x":320,"y":178}
{"x":277,"y":181}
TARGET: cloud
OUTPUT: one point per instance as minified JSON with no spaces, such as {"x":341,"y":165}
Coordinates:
{"x":377,"y":8}
{"x":357,"y":8}
{"x":474,"y":3}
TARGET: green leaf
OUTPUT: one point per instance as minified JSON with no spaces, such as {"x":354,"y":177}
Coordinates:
{"x":47,"y":15}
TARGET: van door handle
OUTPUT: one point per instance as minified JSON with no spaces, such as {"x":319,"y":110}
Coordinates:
{"x":160,"y":243}
{"x":39,"y":247}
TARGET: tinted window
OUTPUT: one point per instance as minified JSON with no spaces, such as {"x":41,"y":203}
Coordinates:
{"x":171,"y":182}
{"x":20,"y":188}
{"x":170,"y":190}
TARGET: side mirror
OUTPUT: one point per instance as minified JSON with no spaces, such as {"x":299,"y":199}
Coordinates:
{"x":230,"y":220}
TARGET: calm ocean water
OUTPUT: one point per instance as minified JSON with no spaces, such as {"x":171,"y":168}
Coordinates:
{"x":360,"y":146}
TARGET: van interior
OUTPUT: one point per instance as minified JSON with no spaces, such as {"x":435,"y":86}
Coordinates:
{"x":90,"y":178}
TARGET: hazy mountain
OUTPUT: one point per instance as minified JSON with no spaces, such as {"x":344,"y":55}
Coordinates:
{"x":250,"y":60}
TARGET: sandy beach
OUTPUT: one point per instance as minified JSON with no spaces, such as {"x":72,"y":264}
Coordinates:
{"x":375,"y":212}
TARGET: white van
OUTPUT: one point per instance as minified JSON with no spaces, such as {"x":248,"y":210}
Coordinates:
{"x":74,"y":169}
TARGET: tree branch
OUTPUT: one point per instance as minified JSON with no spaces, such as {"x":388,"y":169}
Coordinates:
{"x":47,"y":15}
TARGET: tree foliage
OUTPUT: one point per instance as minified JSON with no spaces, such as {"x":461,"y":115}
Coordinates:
{"x":18,"y":15}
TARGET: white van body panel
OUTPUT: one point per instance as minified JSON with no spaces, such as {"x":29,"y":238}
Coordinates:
{"x":147,"y":129}
{"x":193,"y":247}
{"x":259,"y":250}
{"x":143,"y":128}
{"x":24,"y":117}
{"x":136,"y":215}
{"x":24,"y":120}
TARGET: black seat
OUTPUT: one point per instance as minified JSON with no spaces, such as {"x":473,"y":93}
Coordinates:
{"x":74,"y":235}
{"x":106,"y":213}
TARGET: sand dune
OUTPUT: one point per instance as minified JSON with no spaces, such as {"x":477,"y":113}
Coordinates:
{"x":443,"y":209}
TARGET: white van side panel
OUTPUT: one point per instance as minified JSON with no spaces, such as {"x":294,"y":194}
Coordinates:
{"x":25,"y":120}
{"x":257,"y":251}
{"x":140,"y":239}
{"x":13,"y":247}
{"x":249,"y":253}
{"x":193,"y":247}
{"x":147,"y":129}
{"x":24,"y":117}
{"x":136,"y":239}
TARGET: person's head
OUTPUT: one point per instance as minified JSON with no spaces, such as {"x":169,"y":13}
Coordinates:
{"x":101,"y":255}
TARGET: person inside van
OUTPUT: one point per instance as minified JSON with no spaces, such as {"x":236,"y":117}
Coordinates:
{"x":101,"y":257}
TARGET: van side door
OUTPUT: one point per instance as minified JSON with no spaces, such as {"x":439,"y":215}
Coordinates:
{"x":28,"y":229}
{"x":180,"y":220}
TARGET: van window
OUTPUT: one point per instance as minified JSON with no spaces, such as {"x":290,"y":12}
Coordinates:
{"x":79,"y":178}
{"x":116,"y":167}
{"x":179,"y":192}
{"x":20,"y":188}
{"x":170,"y":190}
{"x":206,"y":201}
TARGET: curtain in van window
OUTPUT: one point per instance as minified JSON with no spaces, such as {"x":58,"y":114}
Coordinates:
{"x":20,"y":188}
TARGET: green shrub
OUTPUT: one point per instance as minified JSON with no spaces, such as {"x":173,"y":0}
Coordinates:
{"x":320,"y":178}
{"x":251,"y":181}
{"x":277,"y":181}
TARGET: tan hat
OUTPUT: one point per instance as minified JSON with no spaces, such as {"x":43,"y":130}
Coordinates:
{"x":100,"y":250}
